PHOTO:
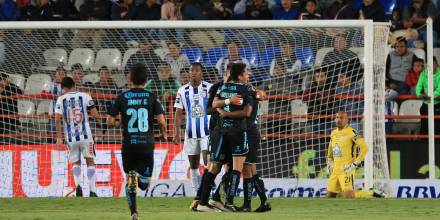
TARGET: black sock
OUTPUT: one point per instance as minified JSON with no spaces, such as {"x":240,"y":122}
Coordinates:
{"x":259,"y":187}
{"x":248,"y":188}
{"x":199,"y":190}
{"x":233,"y":186}
{"x":131,"y":199}
{"x":206,"y":188}
{"x":224,"y":182}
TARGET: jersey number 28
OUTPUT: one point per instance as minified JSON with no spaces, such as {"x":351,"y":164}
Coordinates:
{"x":141,"y":115}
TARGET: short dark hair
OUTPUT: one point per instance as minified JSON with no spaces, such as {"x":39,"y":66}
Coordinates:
{"x":103,"y":68}
{"x":3,"y":76}
{"x":138,"y":74}
{"x":402,"y":39}
{"x":77,"y":66}
{"x":67,"y":83}
{"x":416,"y":59}
{"x":236,"y":70}
{"x":232,"y":41}
{"x":197,"y":64}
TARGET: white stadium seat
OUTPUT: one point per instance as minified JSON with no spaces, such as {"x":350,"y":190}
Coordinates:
{"x":299,"y":108}
{"x":84,"y":56}
{"x":25,"y":107}
{"x":120,"y":80}
{"x":43,"y":108}
{"x":127,"y":56}
{"x":37,"y":83}
{"x":53,"y":58}
{"x":108,"y":57}
{"x":93,"y":78}
{"x":320,"y":54}
{"x":17,"y":79}
{"x":409,"y":107}
{"x":420,"y":53}
{"x":437,"y":53}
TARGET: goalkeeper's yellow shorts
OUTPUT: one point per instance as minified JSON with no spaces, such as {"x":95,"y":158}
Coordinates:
{"x":340,"y":182}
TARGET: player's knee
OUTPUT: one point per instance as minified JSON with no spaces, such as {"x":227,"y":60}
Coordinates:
{"x":349,"y":194}
{"x":331,"y":195}
{"x":247,"y":171}
{"x":90,"y":162}
{"x":143,"y":182}
{"x":214,"y":168}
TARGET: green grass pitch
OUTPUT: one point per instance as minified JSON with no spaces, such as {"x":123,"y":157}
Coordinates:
{"x":177,"y":209}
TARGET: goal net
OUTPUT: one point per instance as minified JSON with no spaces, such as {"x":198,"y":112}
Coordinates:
{"x":311,"y":70}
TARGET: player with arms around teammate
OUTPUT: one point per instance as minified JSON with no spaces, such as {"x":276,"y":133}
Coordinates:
{"x":138,"y":108}
{"x":71,"y":109}
{"x":345,"y":153}
{"x":192,"y":98}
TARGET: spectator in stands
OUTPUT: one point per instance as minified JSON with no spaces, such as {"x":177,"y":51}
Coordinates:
{"x":65,"y":10}
{"x":78,"y":74}
{"x":105,"y":86}
{"x":409,"y":33}
{"x":349,"y":104}
{"x":286,"y":60}
{"x":287,"y":11}
{"x":310,"y":11}
{"x":122,"y":10}
{"x":253,"y":10}
{"x":25,"y":10}
{"x":8,"y":105}
{"x":176,"y":60}
{"x":192,"y":10}
{"x":396,"y":20}
{"x":341,"y":10}
{"x":43,"y":12}
{"x":398,"y":64}
{"x":233,"y":57}
{"x":8,"y":10}
{"x":150,"y":10}
{"x":418,"y":12}
{"x":422,"y":93}
{"x":218,"y":10}
{"x":95,"y":10}
{"x":164,"y":86}
{"x":372,"y":10}
{"x":145,"y":55}
{"x":340,"y":58}
{"x":413,"y":75}
{"x":171,"y":10}
{"x":55,"y":90}
{"x":184,"y":76}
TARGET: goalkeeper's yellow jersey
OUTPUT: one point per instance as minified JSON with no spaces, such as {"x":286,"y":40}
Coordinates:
{"x":345,"y":147}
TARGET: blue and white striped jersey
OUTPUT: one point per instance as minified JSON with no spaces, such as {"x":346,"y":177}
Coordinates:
{"x":193,"y":100}
{"x":73,"y":106}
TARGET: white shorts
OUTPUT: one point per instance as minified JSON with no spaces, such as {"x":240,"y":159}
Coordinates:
{"x":194,"y":146}
{"x":85,"y":147}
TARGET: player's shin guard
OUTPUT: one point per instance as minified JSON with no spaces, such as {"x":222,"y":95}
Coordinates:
{"x":92,"y":178}
{"x":259,"y":188}
{"x":224,"y":185}
{"x":199,"y":191}
{"x":76,"y":170}
{"x":206,"y":188}
{"x":363,"y":193}
{"x":130,"y":190}
{"x":233,"y":186}
{"x":248,"y":188}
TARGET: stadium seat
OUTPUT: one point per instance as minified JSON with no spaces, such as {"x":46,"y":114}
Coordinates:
{"x":194,"y":54}
{"x":25,"y":107}
{"x":410,"y":107}
{"x":84,"y":56}
{"x":43,"y":108}
{"x":53,"y":58}
{"x":267,"y":55}
{"x":250,"y":54}
{"x":306,"y":56}
{"x":437,"y":53}
{"x":93,"y":78}
{"x":108,"y":57}
{"x":320,"y":54}
{"x":359,"y":51}
{"x":127,"y":56}
{"x":18,"y":79}
{"x":120,"y":80}
{"x":36,"y":83}
{"x":298,"y":108}
{"x":213,"y":55}
{"x":418,"y":52}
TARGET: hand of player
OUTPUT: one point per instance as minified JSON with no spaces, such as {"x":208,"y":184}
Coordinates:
{"x":176,"y":139}
{"x":221,"y":112}
{"x":261,"y":95}
{"x":329,"y":167}
{"x":59,"y":142}
{"x":163,"y":137}
{"x":165,"y":96}
{"x":348,"y":168}
{"x":236,"y":100}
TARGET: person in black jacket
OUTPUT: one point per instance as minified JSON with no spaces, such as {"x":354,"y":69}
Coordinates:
{"x":150,"y":10}
{"x":373,"y":10}
{"x":123,"y":10}
{"x":8,"y":106}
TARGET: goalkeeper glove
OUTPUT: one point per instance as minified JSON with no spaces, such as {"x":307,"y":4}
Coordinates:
{"x":348,"y":168}
{"x":329,"y":167}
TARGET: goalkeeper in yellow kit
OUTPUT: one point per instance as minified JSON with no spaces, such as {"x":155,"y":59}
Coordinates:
{"x":345,"y":153}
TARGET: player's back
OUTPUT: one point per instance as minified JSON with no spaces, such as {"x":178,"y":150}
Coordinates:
{"x":73,"y":106}
{"x":343,"y":145}
{"x":229,"y":90}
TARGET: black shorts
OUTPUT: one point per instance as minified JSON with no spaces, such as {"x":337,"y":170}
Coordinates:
{"x":254,"y":145}
{"x":219,"y":153}
{"x":139,"y":158}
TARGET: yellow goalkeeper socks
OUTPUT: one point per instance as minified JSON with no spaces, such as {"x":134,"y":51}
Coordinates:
{"x":363,"y":193}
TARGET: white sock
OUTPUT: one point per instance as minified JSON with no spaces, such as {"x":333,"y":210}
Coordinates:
{"x":76,"y":170}
{"x":195,"y":179}
{"x":92,"y":178}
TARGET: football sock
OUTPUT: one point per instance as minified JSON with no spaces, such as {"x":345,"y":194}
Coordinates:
{"x":92,"y":178}
{"x":224,"y":182}
{"x":259,"y":187}
{"x":199,"y":190}
{"x":195,"y":179}
{"x":206,"y":188}
{"x":248,"y":188}
{"x":233,"y":186}
{"x":131,"y":199}
{"x":76,"y":170}
{"x":363,"y":193}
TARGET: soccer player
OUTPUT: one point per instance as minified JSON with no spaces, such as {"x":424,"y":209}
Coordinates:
{"x":138,"y":109}
{"x":71,"y":108}
{"x":233,"y":137}
{"x":345,"y":153}
{"x":192,"y":99}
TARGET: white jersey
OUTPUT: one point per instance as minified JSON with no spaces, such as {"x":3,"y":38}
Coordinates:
{"x":194,"y":102}
{"x":73,"y":106}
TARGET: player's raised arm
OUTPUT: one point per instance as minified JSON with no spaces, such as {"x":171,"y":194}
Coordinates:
{"x":246,"y":112}
{"x":218,"y":103}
